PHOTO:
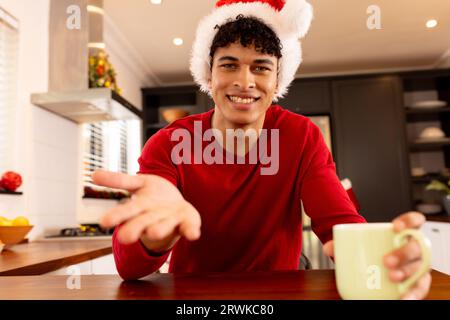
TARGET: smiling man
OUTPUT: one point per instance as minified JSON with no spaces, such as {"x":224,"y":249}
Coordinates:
{"x":229,"y":216}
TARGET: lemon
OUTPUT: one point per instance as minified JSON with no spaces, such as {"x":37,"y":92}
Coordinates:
{"x":5,"y":222}
{"x":20,"y":221}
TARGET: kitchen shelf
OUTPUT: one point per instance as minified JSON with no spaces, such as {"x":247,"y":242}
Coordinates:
{"x":154,"y":100}
{"x":423,"y":86}
{"x":427,"y":178}
{"x":16,"y":193}
{"x":427,"y":111}
{"x":439,"y":217}
{"x":427,"y":115}
{"x":428,"y":146}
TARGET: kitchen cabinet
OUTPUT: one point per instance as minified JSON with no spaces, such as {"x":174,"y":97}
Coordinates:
{"x":101,"y":266}
{"x":370,"y":144}
{"x":430,"y":157}
{"x":154,"y":100}
{"x":308,"y":97}
{"x":439,"y":235}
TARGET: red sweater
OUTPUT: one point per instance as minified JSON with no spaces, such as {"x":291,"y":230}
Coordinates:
{"x":249,"y":221}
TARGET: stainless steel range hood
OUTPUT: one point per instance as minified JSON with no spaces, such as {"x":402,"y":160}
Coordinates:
{"x":72,"y":29}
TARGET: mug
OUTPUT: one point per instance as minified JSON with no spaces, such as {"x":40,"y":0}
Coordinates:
{"x":359,"y":249}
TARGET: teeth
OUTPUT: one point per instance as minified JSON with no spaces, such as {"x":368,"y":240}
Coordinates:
{"x":240,"y":100}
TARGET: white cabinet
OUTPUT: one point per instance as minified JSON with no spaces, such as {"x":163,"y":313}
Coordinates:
{"x":104,"y":265}
{"x":439,"y":235}
{"x":101,"y":265}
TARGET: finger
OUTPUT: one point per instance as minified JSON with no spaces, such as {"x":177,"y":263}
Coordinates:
{"x":403,"y":255}
{"x":405,"y":271}
{"x":132,"y":230}
{"x":190,"y":227}
{"x":328,"y":248}
{"x":162,"y":228}
{"x":123,"y":212}
{"x":420,"y":290}
{"x":118,"y":180}
{"x":411,"y":219}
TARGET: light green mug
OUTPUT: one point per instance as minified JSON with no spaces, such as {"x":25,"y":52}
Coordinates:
{"x":359,"y":249}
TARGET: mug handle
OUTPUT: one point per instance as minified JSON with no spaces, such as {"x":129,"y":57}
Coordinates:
{"x":400,"y":239}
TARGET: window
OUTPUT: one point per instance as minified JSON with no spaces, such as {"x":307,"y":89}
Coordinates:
{"x":9,"y":44}
{"x":110,"y":145}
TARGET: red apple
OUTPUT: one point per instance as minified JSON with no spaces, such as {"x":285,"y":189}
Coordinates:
{"x":11,"y":181}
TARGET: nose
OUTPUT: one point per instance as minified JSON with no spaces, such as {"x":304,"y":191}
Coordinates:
{"x":244,"y":79}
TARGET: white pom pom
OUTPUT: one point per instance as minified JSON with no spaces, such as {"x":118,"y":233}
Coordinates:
{"x":297,"y":14}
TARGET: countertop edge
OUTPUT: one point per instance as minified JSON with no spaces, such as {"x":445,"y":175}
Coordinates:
{"x":55,"y":264}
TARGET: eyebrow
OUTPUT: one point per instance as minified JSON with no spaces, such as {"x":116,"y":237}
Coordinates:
{"x":257,"y":61}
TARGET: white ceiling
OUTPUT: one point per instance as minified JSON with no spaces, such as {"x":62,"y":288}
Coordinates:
{"x":338,"y":42}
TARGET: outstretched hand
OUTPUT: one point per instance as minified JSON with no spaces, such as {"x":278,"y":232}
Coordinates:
{"x":157,"y":213}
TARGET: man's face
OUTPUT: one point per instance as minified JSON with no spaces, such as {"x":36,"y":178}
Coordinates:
{"x":243,"y":83}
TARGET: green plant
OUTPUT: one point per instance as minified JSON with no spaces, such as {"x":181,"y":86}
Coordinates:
{"x":439,"y":186}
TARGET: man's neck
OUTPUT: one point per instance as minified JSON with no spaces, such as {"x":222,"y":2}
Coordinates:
{"x":219,"y":122}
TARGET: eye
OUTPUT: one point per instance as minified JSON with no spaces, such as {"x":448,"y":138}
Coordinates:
{"x":228,"y":66}
{"x":262,"y":69}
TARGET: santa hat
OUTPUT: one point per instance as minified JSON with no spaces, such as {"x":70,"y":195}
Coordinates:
{"x":289,"y":19}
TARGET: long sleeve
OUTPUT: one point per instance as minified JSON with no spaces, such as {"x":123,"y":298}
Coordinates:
{"x":324,"y":199}
{"x":133,"y":261}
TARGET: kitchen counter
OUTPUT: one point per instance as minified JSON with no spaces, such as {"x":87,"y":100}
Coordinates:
{"x":276,"y":285}
{"x":39,"y":257}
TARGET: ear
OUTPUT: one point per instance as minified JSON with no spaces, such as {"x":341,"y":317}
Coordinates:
{"x":209,"y":84}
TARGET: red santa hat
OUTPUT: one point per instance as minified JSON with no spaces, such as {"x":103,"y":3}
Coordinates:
{"x":289,"y":19}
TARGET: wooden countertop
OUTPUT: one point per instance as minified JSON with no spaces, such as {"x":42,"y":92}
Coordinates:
{"x":291,"y":285}
{"x":39,"y":257}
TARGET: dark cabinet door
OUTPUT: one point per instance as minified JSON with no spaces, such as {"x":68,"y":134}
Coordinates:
{"x":371,"y":144}
{"x":308,"y":97}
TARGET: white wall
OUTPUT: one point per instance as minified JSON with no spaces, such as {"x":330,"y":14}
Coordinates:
{"x":48,"y":148}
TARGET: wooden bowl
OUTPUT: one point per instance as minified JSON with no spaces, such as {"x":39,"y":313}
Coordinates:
{"x":173,"y":114}
{"x":1,"y":247}
{"x":13,"y":234}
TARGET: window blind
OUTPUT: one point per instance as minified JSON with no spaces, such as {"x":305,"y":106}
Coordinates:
{"x":94,"y":142}
{"x":9,"y":41}
{"x":105,"y":147}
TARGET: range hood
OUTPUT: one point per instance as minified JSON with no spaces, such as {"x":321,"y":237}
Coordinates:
{"x":74,"y":33}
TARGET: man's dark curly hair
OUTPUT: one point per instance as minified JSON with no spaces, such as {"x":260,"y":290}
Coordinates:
{"x":249,"y":31}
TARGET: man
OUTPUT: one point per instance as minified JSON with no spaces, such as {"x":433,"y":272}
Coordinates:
{"x":221,"y":215}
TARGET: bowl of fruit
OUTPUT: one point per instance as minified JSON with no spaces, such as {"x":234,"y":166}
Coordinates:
{"x":14,"y":231}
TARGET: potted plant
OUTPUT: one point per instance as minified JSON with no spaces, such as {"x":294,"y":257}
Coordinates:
{"x":440,"y":186}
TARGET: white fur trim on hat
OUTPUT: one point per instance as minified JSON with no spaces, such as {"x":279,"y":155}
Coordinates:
{"x":290,"y":24}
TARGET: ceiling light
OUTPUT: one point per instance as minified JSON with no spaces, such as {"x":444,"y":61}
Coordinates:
{"x":178,"y":41}
{"x":432,"y":23}
{"x":95,"y":9}
{"x":155,"y":1}
{"x":96,"y":45}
